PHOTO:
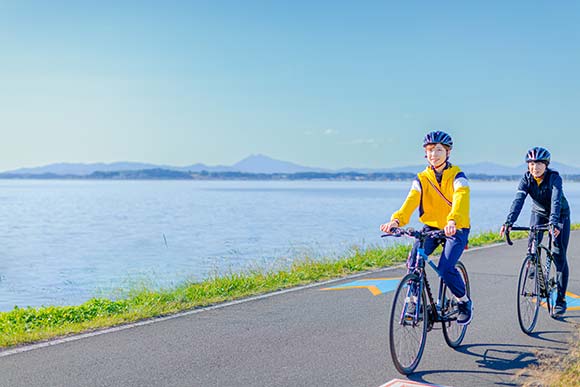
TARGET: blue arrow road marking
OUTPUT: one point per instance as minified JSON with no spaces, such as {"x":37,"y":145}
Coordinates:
{"x":573,"y":301}
{"x":384,"y":285}
{"x":375,"y":285}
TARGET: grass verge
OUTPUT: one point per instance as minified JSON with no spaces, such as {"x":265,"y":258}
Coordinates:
{"x":554,"y":369}
{"x":27,"y":325}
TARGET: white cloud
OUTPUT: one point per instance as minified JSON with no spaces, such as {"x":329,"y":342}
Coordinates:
{"x":325,"y":132}
{"x":364,"y":141}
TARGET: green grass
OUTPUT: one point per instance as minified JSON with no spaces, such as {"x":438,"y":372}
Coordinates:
{"x":26,"y":325}
{"x":554,"y":369}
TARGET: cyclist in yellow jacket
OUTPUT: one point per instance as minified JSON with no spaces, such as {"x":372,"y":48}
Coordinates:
{"x":441,"y":192}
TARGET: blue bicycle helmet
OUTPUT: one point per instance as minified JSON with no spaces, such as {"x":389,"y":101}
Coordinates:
{"x":437,"y":137}
{"x":538,"y":153}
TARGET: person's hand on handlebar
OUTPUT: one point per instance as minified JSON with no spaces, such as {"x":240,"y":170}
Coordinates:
{"x":450,"y":229}
{"x":554,"y":230}
{"x":506,"y":227}
{"x":389,"y":227}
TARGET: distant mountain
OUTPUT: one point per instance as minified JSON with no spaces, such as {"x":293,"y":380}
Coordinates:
{"x":478,"y":168}
{"x":264,"y":164}
{"x":485,"y":168}
{"x":200,"y":167}
{"x":501,"y":170}
{"x":251,"y":164}
{"x":267,"y":165}
{"x":403,"y":169}
{"x":81,"y":169}
{"x":563,"y":168}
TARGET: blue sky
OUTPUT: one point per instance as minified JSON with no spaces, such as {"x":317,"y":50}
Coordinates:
{"x":320,"y":83}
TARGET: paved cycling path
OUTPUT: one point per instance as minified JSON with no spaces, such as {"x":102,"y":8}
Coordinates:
{"x":308,"y":337}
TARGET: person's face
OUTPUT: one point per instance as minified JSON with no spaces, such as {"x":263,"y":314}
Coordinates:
{"x":537,"y":168}
{"x":436,"y":154}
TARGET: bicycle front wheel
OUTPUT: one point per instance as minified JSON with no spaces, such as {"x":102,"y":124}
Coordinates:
{"x":528,"y":294}
{"x":452,"y":331}
{"x":408,"y":324}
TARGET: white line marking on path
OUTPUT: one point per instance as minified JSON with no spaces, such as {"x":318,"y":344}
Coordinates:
{"x":81,"y":336}
{"x":407,"y":383}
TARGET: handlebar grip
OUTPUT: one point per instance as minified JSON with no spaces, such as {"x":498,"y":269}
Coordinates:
{"x":395,"y":232}
{"x":513,"y":228}
{"x":507,"y":238}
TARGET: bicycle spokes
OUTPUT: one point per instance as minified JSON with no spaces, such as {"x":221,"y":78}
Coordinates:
{"x":528,"y":294}
{"x":407,"y":327}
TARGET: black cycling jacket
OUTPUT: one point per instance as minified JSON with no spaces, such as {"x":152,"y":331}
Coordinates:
{"x":548,"y":199}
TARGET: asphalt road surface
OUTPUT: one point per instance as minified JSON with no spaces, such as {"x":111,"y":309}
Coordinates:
{"x":309,"y":337}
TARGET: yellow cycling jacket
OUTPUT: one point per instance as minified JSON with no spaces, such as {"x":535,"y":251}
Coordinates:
{"x":438,"y":203}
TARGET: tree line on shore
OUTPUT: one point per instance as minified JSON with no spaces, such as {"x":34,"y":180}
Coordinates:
{"x":168,"y":174}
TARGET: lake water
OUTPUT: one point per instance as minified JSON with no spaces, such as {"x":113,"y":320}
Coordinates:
{"x":66,"y":241}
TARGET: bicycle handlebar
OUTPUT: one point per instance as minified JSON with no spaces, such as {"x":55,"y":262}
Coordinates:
{"x":418,"y":234}
{"x":539,"y":227}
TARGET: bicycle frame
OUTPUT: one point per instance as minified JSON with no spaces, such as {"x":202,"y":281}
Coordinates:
{"x":414,"y":311}
{"x":418,"y":268}
{"x":536,"y":245}
{"x":546,"y":284}
{"x":535,"y":248}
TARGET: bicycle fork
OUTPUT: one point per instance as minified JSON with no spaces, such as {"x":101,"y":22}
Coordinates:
{"x":413,"y":297}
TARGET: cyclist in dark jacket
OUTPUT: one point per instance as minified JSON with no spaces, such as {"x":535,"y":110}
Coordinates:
{"x":549,"y":206}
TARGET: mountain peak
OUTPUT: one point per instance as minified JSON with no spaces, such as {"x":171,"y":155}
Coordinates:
{"x":256,"y":157}
{"x":259,"y":163}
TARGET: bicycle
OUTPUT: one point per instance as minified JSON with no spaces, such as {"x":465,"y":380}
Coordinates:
{"x":414,"y":311}
{"x":533,"y":285}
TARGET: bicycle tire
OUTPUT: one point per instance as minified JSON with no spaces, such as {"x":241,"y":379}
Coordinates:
{"x":407,"y":338}
{"x":528,"y":299}
{"x":552,"y":288}
{"x":452,"y":331}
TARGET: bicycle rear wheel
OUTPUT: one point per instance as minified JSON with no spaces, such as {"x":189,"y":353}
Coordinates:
{"x":408,"y":331}
{"x":452,"y":331}
{"x":528,"y":294}
{"x":552,"y":288}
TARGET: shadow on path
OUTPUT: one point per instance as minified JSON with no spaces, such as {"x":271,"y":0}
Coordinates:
{"x":501,"y":357}
{"x":570,"y":319}
{"x":494,"y":360}
{"x":487,"y":376}
{"x":542,"y":336}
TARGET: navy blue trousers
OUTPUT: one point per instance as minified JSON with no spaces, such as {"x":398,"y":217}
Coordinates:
{"x":452,"y":249}
{"x":559,"y":250}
